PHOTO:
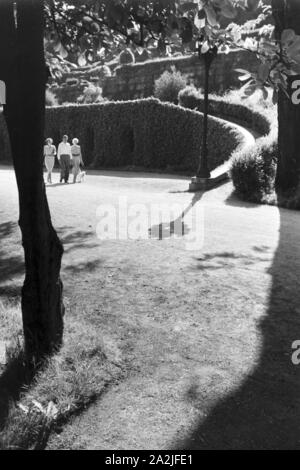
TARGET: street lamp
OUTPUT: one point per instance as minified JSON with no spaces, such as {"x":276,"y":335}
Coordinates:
{"x":208,"y":56}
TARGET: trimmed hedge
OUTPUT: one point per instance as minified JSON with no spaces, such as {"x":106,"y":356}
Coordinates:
{"x":253,"y":169}
{"x":143,"y":133}
{"x":220,"y":106}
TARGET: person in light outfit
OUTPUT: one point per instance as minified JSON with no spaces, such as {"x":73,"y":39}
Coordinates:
{"x":49,"y":155}
{"x":64,"y":156}
{"x":77,"y":158}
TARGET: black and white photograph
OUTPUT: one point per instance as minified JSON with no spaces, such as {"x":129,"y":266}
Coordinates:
{"x":149,"y":228}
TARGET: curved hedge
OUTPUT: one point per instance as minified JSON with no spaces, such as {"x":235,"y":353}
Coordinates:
{"x":252,"y":169}
{"x":227,"y":109}
{"x":143,"y":133}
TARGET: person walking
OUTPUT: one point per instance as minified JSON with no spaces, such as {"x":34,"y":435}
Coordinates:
{"x":49,"y":156}
{"x":77,"y":158}
{"x":64,"y":156}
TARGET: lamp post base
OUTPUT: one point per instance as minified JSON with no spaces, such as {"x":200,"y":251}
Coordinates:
{"x":203,"y":184}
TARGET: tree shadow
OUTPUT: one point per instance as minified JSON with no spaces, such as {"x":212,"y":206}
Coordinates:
{"x":221,"y":260}
{"x":176,"y":227}
{"x":235,"y":201}
{"x":263,"y":412}
{"x":11,"y":264}
{"x":16,"y":376}
{"x":87,"y":266}
{"x":78,"y":240}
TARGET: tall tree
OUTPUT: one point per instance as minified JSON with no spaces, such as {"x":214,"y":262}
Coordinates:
{"x":287,"y":17}
{"x":24,"y":71}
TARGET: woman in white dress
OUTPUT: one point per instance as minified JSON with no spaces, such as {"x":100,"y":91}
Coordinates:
{"x":76,"y":158}
{"x":49,"y":155}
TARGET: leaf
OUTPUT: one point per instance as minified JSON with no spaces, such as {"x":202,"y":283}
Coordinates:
{"x":243,"y":78}
{"x":63,"y":52}
{"x":294,"y":49}
{"x":243,"y":71}
{"x":200,"y":21}
{"x":228,"y":10}
{"x":263,"y":72}
{"x":23,"y":408}
{"x":205,"y":48}
{"x":287,"y":36}
{"x":211,"y":16}
{"x":38,"y":405}
{"x":225,"y":49}
{"x":265,"y":93}
{"x":81,"y":60}
{"x":275,"y":97}
{"x":249,"y":88}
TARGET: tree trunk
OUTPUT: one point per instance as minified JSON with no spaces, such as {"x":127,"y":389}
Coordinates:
{"x":22,"y":52}
{"x":287,"y":15}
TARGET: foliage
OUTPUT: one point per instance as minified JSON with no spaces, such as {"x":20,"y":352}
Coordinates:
{"x":168,"y":85}
{"x":143,"y":134}
{"x":94,"y":27}
{"x":91,"y":94}
{"x":253,"y":170}
{"x":228,"y":108}
{"x":51,"y":99}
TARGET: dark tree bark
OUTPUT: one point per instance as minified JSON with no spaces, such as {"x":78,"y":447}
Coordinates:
{"x":24,"y":71}
{"x":287,"y":15}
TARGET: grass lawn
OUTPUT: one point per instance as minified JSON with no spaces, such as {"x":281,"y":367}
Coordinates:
{"x":192,"y":348}
{"x":71,"y":380}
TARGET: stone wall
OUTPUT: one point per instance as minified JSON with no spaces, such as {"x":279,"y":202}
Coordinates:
{"x":137,"y":80}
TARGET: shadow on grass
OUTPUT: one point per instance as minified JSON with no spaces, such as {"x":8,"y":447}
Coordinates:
{"x":15,"y":377}
{"x":235,"y":201}
{"x":212,"y":261}
{"x":88,"y":266}
{"x":263,"y":413}
{"x":176,"y":227}
{"x":11,"y":264}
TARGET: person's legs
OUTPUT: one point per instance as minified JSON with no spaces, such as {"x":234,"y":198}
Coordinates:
{"x":50,"y":169}
{"x":47,"y":165}
{"x":76,"y":168}
{"x":67,"y":168}
{"x":62,"y":168}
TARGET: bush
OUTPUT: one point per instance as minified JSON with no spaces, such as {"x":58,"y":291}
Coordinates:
{"x":91,"y":94}
{"x":126,"y":57}
{"x":168,"y":85}
{"x":51,"y":99}
{"x":189,"y":97}
{"x":143,"y":133}
{"x":253,"y":170}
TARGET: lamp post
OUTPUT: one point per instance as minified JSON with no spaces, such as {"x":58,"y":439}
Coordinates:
{"x":203,"y":169}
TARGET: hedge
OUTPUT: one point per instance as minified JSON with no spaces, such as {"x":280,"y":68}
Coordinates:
{"x":227,"y":109}
{"x":253,"y":169}
{"x":142,"y":133}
